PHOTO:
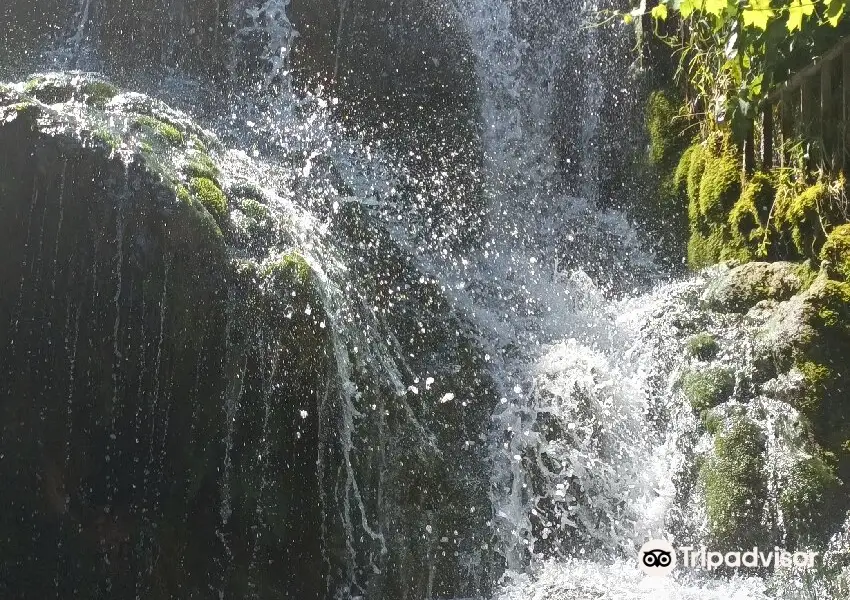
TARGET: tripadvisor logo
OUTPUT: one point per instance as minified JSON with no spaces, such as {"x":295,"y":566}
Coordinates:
{"x":659,"y":557}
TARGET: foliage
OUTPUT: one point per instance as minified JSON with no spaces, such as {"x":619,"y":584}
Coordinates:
{"x":735,"y":53}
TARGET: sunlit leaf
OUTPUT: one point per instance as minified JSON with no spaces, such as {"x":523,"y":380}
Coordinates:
{"x":757,"y":14}
{"x":715,"y":7}
{"x":834,"y":11}
{"x":628,"y":19}
{"x":659,"y":12}
{"x":797,"y":10}
{"x":687,"y":7}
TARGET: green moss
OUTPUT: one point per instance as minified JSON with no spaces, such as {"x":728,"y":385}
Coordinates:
{"x":708,"y":388}
{"x":201,"y":165}
{"x":98,"y":93}
{"x":680,"y":177}
{"x":748,"y":220}
{"x":696,"y":167}
{"x":808,"y":499}
{"x":166,"y":131}
{"x":735,"y":486}
{"x":183,"y":194}
{"x":292,"y":267}
{"x":806,"y":218}
{"x":705,"y":249}
{"x":712,"y":422}
{"x":806,"y":274}
{"x":702,"y":346}
{"x":211,"y":196}
{"x":254,"y":210}
{"x":107,"y":137}
{"x":664,"y":136}
{"x":719,"y":188}
{"x":836,"y":252}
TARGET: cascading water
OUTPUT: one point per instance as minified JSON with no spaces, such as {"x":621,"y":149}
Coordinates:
{"x":393,"y":415}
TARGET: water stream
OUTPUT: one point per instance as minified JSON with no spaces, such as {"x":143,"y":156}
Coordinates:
{"x":538,"y":402}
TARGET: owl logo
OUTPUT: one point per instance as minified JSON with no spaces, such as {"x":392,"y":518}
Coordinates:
{"x":657,"y":558}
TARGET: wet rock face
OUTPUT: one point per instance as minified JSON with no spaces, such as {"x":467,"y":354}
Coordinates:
{"x":151,"y":436}
{"x":128,"y":35}
{"x":405,"y":75}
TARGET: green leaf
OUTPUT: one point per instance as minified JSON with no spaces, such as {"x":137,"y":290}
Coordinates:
{"x":687,"y":7}
{"x":757,"y":14}
{"x":714,"y":7}
{"x":659,"y":12}
{"x":627,"y":19}
{"x":834,"y":11}
{"x":797,"y":10}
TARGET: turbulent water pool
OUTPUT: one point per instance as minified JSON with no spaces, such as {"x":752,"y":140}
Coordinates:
{"x":342,"y":300}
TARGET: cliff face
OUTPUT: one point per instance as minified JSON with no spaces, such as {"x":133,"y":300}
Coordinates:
{"x":187,"y":404}
{"x":151,"y":431}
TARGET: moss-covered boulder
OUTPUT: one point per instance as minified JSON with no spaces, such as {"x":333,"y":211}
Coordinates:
{"x":702,"y":346}
{"x":809,"y":500}
{"x":720,"y":187}
{"x":748,"y":219}
{"x":706,"y":388}
{"x":807,"y":217}
{"x":193,"y":406}
{"x":735,"y":486}
{"x":836,"y":253}
{"x":742,"y":287}
{"x":154,"y":387}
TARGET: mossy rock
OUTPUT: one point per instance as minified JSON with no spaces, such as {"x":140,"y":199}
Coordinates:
{"x":696,"y":167}
{"x":836,"y":253}
{"x":664,"y":136}
{"x":201,"y":164}
{"x":742,"y":287}
{"x":162,"y":129}
{"x":735,"y":485}
{"x":720,"y":187}
{"x":807,"y":217}
{"x":749,"y":217}
{"x":680,"y":177}
{"x":705,"y":249}
{"x":708,"y":388}
{"x":703,"y":346}
{"x":811,"y":333}
{"x":56,"y":88}
{"x":212,"y":198}
{"x":808,"y":500}
{"x":255,"y":227}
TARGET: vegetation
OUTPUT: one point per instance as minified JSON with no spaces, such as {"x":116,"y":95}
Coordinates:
{"x":166,"y":131}
{"x":211,"y":196}
{"x":809,"y":497}
{"x":708,"y":388}
{"x":836,"y":252}
{"x":735,"y":485}
{"x":702,"y":346}
{"x":735,"y":53}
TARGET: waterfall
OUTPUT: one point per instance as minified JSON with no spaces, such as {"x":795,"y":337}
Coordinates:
{"x":316,"y":391}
